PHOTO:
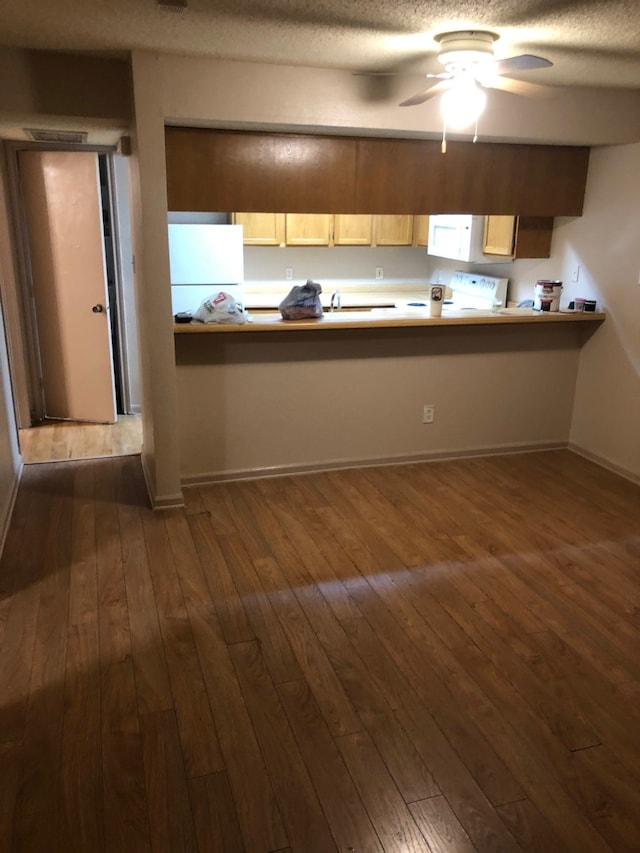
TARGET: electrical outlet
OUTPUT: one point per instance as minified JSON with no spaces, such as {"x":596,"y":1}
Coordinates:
{"x":288,"y":273}
{"x":379,"y":272}
{"x":428,"y":414}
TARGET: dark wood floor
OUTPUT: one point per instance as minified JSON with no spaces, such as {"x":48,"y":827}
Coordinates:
{"x":440,"y":657}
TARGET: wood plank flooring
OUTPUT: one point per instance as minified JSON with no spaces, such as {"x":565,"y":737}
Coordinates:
{"x":437,"y":658}
{"x":53,"y":441}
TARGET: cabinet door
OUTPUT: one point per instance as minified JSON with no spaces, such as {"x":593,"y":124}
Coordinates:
{"x":253,"y":171}
{"x":261,"y":229}
{"x":533,"y":237}
{"x":420,"y":230}
{"x":392,"y":230}
{"x":211,"y":169}
{"x":499,"y":232}
{"x":398,"y":176}
{"x":352,"y":229}
{"x":308,"y":229}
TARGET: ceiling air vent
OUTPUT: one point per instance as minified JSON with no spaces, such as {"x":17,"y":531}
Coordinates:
{"x":77,"y":137}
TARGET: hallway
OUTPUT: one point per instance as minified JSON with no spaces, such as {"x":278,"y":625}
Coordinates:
{"x":54,"y":441}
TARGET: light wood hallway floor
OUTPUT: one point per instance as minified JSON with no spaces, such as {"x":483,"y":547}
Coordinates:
{"x":440,"y":657}
{"x":53,"y":441}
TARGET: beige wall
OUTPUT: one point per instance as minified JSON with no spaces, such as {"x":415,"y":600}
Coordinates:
{"x":606,"y":419}
{"x":248,"y":94}
{"x":276,"y":402}
{"x":604,"y":243}
{"x":200,"y":92}
{"x":160,"y":455}
{"x":51,"y":91}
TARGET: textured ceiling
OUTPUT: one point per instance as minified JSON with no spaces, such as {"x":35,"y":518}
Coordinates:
{"x":590,"y":43}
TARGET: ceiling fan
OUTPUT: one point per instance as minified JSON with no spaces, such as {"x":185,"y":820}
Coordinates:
{"x":467,"y":56}
{"x":470,"y":68}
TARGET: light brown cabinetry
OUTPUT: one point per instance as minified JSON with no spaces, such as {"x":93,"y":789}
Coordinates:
{"x":518,"y":236}
{"x":326,"y":229}
{"x":261,"y":229}
{"x":393,"y":230}
{"x":505,"y":236}
{"x":352,"y":229}
{"x":308,"y":229}
{"x":420,"y":230}
{"x":499,"y":233}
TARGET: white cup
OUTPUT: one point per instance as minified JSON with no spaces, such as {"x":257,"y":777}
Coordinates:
{"x":436,"y":298}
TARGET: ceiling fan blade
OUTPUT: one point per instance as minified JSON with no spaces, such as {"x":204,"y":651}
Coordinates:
{"x":518,"y":87}
{"x":426,"y":95}
{"x":524,"y":62}
{"x":379,"y":74}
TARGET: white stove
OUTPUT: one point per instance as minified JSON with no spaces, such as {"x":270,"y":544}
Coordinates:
{"x":470,"y":291}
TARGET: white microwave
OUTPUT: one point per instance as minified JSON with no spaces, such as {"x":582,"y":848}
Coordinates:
{"x":461,"y":238}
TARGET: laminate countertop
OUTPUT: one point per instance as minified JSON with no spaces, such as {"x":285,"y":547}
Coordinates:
{"x":377,"y":318}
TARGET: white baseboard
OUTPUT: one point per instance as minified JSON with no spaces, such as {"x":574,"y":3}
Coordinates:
{"x":174,"y":501}
{"x":336,"y":464}
{"x":605,"y":463}
{"x":5,"y":521}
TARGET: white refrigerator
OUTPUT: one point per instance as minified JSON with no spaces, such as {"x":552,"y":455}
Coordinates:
{"x":204,"y":259}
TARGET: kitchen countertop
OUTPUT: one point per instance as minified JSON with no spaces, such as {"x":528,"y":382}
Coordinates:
{"x":376,"y":318}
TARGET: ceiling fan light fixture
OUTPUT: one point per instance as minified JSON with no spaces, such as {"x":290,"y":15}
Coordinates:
{"x":463,"y":103}
{"x":470,"y":68}
{"x":465,"y":49}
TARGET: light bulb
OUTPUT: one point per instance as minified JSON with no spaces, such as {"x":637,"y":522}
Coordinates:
{"x":462,"y":103}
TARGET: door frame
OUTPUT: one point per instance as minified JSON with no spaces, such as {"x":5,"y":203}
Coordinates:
{"x":20,"y":318}
{"x":124,"y":314}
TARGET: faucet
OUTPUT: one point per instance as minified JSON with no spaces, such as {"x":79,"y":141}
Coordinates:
{"x":336,"y":302}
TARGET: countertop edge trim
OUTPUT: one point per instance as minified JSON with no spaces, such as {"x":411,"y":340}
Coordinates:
{"x":275,"y":323}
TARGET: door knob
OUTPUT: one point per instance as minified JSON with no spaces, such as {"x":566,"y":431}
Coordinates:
{"x":98,"y":309}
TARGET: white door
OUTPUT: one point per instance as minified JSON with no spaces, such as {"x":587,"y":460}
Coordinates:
{"x":62,"y":203}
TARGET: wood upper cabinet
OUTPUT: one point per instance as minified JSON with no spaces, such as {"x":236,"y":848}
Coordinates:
{"x":533,"y":237}
{"x":261,"y":229}
{"x":308,"y":229}
{"x":413,"y":176}
{"x":499,"y":234}
{"x":518,"y":236}
{"x":221,"y":170}
{"x":392,"y":230}
{"x":509,"y":236}
{"x":340,"y":229}
{"x":352,"y":229}
{"x":397,"y":176}
{"x":554,"y":181}
{"x":420,"y":230}
{"x":481,"y":179}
